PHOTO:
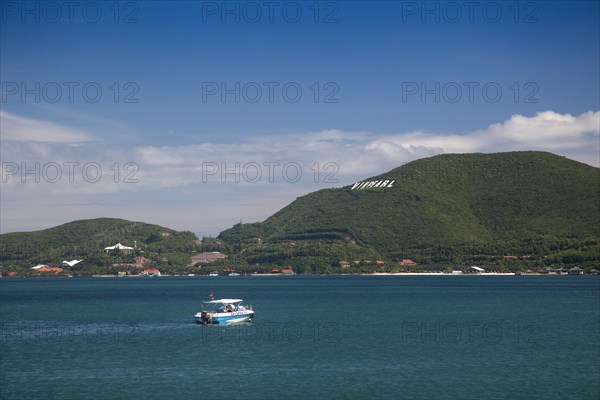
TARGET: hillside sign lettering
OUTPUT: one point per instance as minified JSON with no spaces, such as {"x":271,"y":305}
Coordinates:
{"x":373,"y":184}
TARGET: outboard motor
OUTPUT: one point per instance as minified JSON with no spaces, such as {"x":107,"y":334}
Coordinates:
{"x":204,"y":317}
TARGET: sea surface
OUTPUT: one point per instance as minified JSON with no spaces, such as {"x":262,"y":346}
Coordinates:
{"x":326,"y":337}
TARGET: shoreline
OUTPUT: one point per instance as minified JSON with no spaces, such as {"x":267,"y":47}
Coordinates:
{"x":443,"y":274}
{"x":292,"y":275}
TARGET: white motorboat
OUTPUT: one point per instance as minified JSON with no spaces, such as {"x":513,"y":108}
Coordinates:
{"x":224,"y":311}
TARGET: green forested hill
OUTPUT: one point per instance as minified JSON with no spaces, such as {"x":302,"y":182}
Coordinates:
{"x":87,"y":238}
{"x":453,"y":208}
{"x":505,"y":211}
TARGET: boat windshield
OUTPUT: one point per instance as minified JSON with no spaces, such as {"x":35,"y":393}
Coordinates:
{"x":223,"y":305}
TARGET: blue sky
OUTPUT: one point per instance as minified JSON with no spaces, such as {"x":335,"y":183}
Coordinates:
{"x":380,"y":84}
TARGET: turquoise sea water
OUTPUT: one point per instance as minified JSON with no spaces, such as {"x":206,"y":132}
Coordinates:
{"x":503,"y":337}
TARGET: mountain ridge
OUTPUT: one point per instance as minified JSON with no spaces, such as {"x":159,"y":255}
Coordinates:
{"x":449,"y":200}
{"x":505,"y":211}
{"x":87,"y":239}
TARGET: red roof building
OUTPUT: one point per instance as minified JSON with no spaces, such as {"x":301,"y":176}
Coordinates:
{"x":56,"y":270}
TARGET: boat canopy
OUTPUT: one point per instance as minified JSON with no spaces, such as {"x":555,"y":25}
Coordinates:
{"x":223,"y":301}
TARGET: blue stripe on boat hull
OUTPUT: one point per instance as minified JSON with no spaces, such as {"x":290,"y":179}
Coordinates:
{"x":228,"y":319}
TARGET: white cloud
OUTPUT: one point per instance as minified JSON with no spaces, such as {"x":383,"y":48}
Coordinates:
{"x":14,"y":127}
{"x":574,"y":136}
{"x":172,"y":178}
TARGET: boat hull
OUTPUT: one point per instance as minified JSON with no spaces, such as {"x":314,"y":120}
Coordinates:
{"x":224,"y":318}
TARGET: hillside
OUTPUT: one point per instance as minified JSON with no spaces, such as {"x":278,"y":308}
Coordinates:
{"x":453,"y":208}
{"x":87,"y":238}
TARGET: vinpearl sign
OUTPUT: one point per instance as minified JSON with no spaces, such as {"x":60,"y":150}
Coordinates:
{"x":372,"y":184}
